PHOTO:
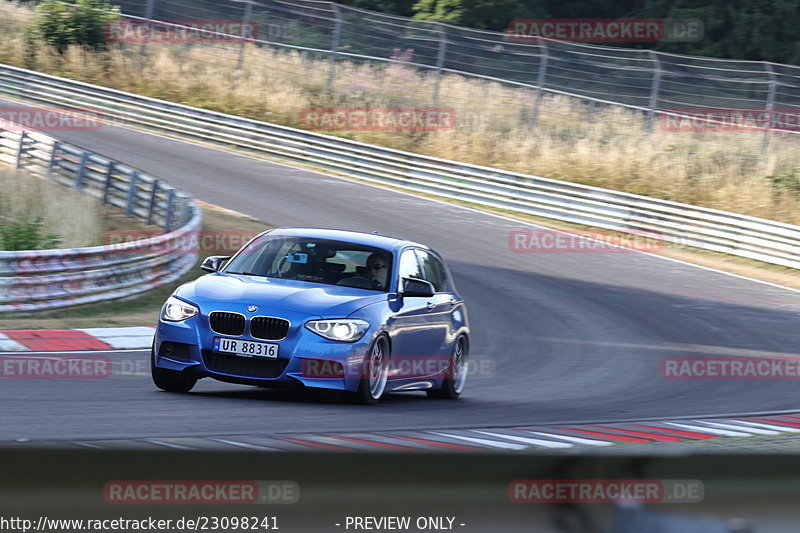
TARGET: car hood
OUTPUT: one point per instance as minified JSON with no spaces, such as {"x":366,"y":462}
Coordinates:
{"x":315,"y":299}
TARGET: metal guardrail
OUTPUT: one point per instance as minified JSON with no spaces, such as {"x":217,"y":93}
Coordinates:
{"x":746,"y":236}
{"x":656,"y":83}
{"x":49,"y":279}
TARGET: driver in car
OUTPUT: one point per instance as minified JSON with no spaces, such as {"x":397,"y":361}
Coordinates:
{"x":374,"y":276}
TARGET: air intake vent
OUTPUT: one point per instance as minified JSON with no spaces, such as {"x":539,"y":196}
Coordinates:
{"x":175,"y":350}
{"x":226,"y":323}
{"x":252,"y":367}
{"x":269,"y":328}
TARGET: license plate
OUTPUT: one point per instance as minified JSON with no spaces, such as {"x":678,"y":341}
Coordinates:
{"x":246,"y":348}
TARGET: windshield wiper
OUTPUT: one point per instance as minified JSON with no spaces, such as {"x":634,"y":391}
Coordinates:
{"x":248,"y":274}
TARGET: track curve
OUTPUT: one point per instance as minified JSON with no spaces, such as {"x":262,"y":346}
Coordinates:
{"x":574,"y":337}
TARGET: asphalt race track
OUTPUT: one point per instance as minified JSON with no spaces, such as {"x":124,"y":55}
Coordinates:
{"x":571,"y":337}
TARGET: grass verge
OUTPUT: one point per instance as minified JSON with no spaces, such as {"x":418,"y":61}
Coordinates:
{"x":71,"y":218}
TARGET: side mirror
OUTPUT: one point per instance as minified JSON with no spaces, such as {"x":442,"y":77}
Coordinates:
{"x":213,"y":263}
{"x":417,"y":287}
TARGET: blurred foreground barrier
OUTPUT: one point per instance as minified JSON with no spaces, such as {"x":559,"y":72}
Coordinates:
{"x":709,"y":229}
{"x":50,"y":279}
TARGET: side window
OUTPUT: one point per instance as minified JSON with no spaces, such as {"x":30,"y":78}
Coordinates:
{"x":433,"y":270}
{"x":409,"y":266}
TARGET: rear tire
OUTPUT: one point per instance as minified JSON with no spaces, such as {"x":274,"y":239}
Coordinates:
{"x":375,"y":372}
{"x":170,"y":380}
{"x":456,"y":376}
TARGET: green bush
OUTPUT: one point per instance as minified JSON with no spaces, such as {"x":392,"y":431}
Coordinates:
{"x":81,"y":22}
{"x":16,"y":236}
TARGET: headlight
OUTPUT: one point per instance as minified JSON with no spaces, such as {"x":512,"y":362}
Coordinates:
{"x":176,"y":310}
{"x":340,"y":329}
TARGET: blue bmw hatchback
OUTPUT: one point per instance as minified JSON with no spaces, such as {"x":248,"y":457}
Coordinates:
{"x":319,"y":308}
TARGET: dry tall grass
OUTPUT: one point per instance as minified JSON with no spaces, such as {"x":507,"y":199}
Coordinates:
{"x":606,"y":147}
{"x":73,"y":216}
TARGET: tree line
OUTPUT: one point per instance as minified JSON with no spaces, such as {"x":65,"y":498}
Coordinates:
{"x":759,"y":30}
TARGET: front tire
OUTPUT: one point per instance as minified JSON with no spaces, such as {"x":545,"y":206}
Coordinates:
{"x":375,"y":373}
{"x":456,"y":376}
{"x":170,"y":380}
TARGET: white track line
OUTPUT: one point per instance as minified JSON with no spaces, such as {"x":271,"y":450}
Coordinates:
{"x":126,"y":331}
{"x":243,"y":444}
{"x":736,"y":427}
{"x":576,"y":440}
{"x":781,"y":429}
{"x":130,"y":337}
{"x":526,"y":440}
{"x":713,"y":431}
{"x":7,"y":344}
{"x":483,"y":442}
{"x":170,"y":445}
{"x":88,"y":445}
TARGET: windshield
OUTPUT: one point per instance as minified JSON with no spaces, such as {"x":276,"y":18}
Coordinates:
{"x":316,"y":261}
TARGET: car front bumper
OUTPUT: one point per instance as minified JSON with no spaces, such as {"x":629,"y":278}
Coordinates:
{"x":304,"y":358}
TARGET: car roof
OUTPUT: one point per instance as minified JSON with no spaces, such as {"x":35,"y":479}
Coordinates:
{"x":368,"y":239}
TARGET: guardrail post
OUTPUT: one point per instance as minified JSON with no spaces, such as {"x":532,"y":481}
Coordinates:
{"x":181,"y":209}
{"x":187,"y":211}
{"x":148,"y":15}
{"x":773,"y":86}
{"x":81,"y":170}
{"x":248,"y":13}
{"x":107,"y":184}
{"x":132,"y":193}
{"x":53,"y":157}
{"x":20,"y":150}
{"x":168,"y":212}
{"x":440,"y":57}
{"x":655,"y":88}
{"x":337,"y":31}
{"x":540,"y":81}
{"x":153,"y":198}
